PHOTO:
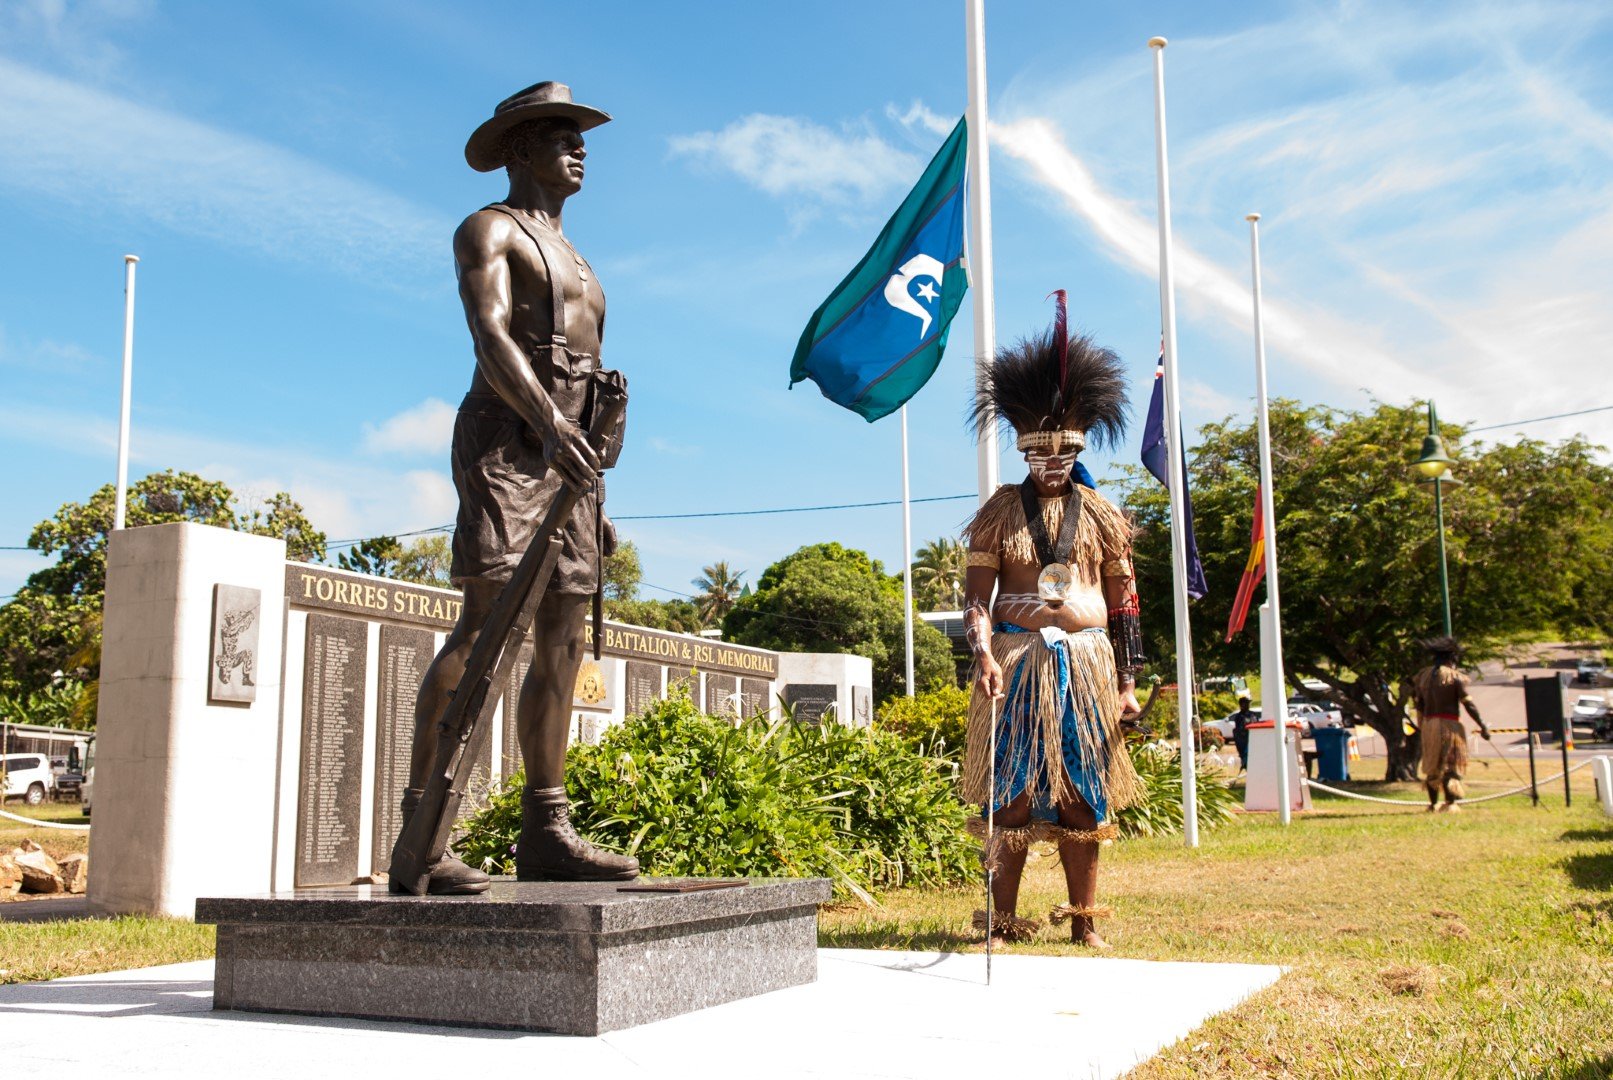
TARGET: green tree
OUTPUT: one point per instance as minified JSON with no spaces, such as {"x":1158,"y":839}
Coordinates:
{"x":426,"y":561}
{"x":719,"y":588}
{"x":678,"y":616}
{"x":624,"y":573}
{"x":379,"y":556}
{"x":53,"y":623}
{"x":1529,"y":534}
{"x":828,"y":598}
{"x":938,"y":573}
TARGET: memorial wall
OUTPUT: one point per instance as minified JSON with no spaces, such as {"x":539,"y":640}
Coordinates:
{"x":356,"y":651}
{"x":256,"y":716}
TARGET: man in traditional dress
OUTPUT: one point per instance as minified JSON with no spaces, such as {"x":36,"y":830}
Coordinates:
{"x":537,"y":316}
{"x":1437,"y":690}
{"x":1050,"y":680}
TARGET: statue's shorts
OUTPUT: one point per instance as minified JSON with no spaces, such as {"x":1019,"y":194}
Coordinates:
{"x":505,"y":489}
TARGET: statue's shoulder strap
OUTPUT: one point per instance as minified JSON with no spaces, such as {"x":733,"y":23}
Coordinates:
{"x":557,"y":292}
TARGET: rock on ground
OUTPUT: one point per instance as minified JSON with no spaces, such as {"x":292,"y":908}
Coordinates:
{"x":75,"y":872}
{"x":40,"y":874}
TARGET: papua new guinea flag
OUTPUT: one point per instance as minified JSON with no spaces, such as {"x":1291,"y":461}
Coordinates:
{"x":878,"y":338}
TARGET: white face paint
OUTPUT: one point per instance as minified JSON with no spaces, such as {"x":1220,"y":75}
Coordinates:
{"x":1050,"y":468}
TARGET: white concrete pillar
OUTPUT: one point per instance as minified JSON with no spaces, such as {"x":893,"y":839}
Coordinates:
{"x":185,"y":784}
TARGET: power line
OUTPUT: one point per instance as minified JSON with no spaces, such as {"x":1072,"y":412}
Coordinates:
{"x":787,"y":509}
{"x":703,"y":514}
{"x":1541,"y":419}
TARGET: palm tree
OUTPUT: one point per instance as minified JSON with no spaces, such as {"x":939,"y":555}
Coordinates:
{"x":938,"y":572}
{"x":719,"y":588}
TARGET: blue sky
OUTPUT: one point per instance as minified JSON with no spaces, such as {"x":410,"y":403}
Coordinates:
{"x":1435,"y":187}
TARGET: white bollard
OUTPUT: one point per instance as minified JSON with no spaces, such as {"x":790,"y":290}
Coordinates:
{"x":1603,"y":771}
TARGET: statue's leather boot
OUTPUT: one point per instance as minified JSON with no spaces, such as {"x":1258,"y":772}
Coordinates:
{"x":449,"y":876}
{"x":550,"y":849}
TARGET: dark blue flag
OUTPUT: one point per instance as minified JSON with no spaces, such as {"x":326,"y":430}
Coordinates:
{"x":1153,"y":456}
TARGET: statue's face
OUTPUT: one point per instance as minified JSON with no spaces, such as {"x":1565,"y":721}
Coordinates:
{"x":554,"y":156}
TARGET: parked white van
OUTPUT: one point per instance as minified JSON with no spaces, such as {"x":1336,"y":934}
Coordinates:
{"x":28,"y":776}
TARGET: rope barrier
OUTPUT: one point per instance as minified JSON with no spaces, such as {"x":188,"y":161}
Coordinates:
{"x":44,"y":824}
{"x":1420,"y":803}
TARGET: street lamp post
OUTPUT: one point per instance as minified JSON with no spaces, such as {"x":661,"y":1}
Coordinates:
{"x":1435,"y":465}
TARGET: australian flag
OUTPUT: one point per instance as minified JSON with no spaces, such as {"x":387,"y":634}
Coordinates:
{"x":879,"y":336}
{"x":1153,"y":456}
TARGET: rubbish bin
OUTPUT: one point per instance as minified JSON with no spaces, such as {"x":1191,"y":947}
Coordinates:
{"x":1332,"y":753}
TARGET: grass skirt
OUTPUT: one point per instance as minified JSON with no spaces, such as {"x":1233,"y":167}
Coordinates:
{"x":1058,"y":725}
{"x":1444,"y":752}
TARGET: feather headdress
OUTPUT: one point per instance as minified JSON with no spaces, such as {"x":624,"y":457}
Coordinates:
{"x":1056,"y":391}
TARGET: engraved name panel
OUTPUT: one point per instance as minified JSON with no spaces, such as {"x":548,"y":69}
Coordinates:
{"x":405,"y":655}
{"x":332,"y":751}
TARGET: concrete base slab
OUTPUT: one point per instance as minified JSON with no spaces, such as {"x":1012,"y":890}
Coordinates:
{"x":870,"y":1014}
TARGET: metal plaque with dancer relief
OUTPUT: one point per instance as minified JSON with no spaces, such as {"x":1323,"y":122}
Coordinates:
{"x":405,"y":655}
{"x":332,"y":750}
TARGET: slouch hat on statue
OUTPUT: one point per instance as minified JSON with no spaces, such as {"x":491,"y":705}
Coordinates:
{"x":1054,"y":390}
{"x":484,"y":151}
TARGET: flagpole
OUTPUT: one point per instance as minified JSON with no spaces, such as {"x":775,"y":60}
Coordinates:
{"x":1176,"y":463}
{"x":1274,"y":704}
{"x":980,"y":266}
{"x":122,"y":498}
{"x":907,"y":555}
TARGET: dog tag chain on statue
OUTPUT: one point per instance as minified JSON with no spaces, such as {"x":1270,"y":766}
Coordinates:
{"x":1054,"y":583}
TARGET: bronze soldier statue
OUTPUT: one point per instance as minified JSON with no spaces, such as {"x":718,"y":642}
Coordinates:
{"x":537,"y":316}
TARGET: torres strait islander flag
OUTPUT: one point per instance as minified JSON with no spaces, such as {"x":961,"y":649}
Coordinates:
{"x":1153,"y":458}
{"x":1253,"y":571}
{"x":879,"y":336}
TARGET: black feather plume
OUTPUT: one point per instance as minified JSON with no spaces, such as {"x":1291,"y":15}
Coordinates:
{"x":1026,"y":389}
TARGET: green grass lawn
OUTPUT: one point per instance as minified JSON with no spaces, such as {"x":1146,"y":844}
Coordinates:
{"x":1471,"y":945}
{"x":50,"y":950}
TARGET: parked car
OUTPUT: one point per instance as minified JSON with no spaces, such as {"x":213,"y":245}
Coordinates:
{"x":1223,"y":727}
{"x":1317,"y":713}
{"x":1589,"y":708}
{"x":1589,"y":670}
{"x":28,"y":776}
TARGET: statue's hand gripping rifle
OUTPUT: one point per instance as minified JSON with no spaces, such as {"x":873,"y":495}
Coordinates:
{"x":465,"y":728}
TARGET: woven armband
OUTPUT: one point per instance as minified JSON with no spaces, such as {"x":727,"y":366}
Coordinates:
{"x":986,"y":559}
{"x":1117,"y":568}
{"x":1126,"y":635}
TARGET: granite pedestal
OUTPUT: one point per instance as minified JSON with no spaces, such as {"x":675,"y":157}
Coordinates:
{"x":576,"y":958}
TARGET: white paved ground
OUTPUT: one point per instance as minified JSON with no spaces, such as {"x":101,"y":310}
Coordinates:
{"x":871,"y":1014}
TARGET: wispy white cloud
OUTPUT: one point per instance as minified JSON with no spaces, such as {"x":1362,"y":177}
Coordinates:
{"x":79,"y":146}
{"x":787,"y":155}
{"x":672,"y":449}
{"x":343,"y":496}
{"x":45,"y":355}
{"x":1435,"y":183}
{"x":426,"y":428}
{"x":75,"y":33}
{"x":918,"y":117}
